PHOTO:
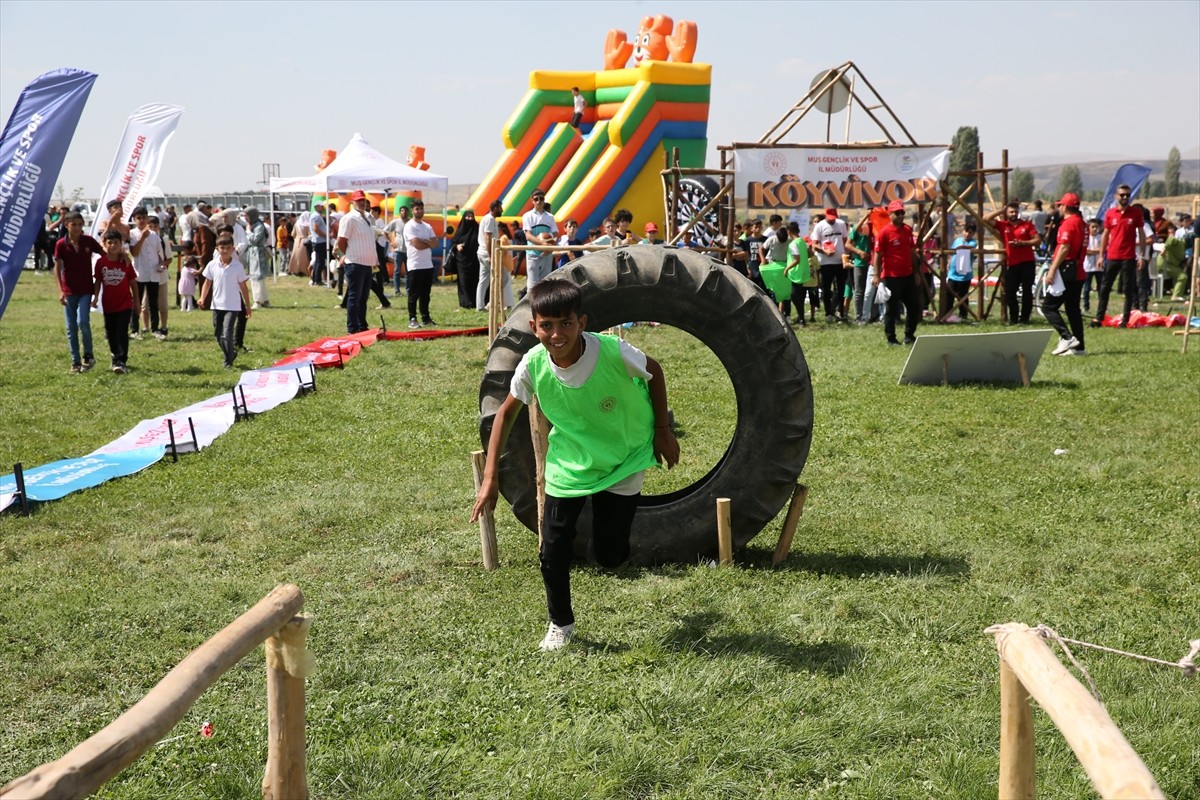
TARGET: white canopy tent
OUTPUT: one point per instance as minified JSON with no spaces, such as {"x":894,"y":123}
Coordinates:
{"x":361,"y":166}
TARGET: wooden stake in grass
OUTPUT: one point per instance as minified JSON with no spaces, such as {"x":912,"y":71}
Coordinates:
{"x":487,"y":520}
{"x":288,"y":664}
{"x":724,"y":531}
{"x":539,"y":430}
{"x":1103,"y":752}
{"x":795,"y":509}
{"x":1018,"y":774}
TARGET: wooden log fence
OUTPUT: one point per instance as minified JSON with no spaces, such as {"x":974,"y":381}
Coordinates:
{"x":1028,"y":668}
{"x":272,"y":621}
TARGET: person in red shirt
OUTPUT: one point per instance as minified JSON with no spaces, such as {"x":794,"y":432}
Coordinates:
{"x":116,"y":282}
{"x":1064,"y":280}
{"x":1122,"y":231}
{"x":1020,"y":238}
{"x":73,"y":271}
{"x":894,"y":260}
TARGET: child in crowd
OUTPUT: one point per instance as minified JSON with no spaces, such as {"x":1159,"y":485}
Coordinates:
{"x":189,"y":271}
{"x":1093,"y":265}
{"x":607,"y":402}
{"x":116,"y":283}
{"x":226,"y":284}
{"x":962,"y":269}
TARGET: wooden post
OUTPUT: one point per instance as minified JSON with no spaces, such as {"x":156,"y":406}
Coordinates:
{"x":487,"y":520}
{"x":945,"y":369}
{"x":1195,"y":289}
{"x":288,"y":663}
{"x":1023,"y":365}
{"x":795,"y":509}
{"x":724,"y":531}
{"x":539,"y":430}
{"x":95,"y":760}
{"x":1018,"y":774}
{"x":1115,"y":769}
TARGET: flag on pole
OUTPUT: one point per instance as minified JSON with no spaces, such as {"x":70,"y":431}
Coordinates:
{"x":139,"y":157}
{"x":32,"y":148}
{"x":1132,"y":175}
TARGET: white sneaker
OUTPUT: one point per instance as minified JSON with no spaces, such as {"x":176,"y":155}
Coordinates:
{"x":1075,"y":351}
{"x":557,"y":637}
{"x":1064,"y":345}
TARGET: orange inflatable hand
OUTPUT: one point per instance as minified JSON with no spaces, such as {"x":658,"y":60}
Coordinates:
{"x":683,"y":43}
{"x":616,"y":49}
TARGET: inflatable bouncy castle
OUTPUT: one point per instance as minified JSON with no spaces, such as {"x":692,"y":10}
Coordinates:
{"x":613,"y":159}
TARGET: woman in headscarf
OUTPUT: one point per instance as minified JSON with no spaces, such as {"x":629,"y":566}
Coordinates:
{"x":464,"y":246}
{"x":258,"y":262}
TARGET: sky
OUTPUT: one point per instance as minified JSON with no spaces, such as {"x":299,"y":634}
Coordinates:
{"x":278,"y":82}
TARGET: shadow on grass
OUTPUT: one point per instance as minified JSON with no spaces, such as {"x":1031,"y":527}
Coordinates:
{"x":693,"y":634}
{"x":853,"y":565}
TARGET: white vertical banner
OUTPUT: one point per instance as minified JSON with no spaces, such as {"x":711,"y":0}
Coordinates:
{"x":139,"y":157}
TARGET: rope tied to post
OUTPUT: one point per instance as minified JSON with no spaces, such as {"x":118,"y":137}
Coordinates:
{"x":1187,"y":663}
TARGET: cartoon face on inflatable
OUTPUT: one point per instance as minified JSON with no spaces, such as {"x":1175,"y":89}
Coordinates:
{"x":651,"y":41}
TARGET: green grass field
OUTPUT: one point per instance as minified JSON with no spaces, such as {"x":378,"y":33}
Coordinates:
{"x":857,"y":670}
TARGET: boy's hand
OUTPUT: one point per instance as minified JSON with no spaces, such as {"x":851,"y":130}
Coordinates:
{"x":485,"y":499}
{"x":666,"y":448}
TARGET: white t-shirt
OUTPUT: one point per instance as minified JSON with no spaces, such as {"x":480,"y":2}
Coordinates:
{"x":825,"y":232}
{"x":360,"y":239}
{"x":418,"y":258}
{"x":185,"y":228}
{"x":577,"y":375}
{"x":380,"y":231}
{"x":1090,"y":262}
{"x":580,"y":103}
{"x":395,"y":228}
{"x":534,"y":223}
{"x":487,"y":225}
{"x":226,"y":280}
{"x":146,"y":262}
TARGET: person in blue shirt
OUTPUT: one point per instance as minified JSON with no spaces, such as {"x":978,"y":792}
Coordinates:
{"x":962,"y":269}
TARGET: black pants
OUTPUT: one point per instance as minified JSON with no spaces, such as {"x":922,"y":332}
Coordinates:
{"x":320,"y":261}
{"x":833,"y":288}
{"x":225,"y":329}
{"x":116,"y":330}
{"x":903,"y":290}
{"x":239,"y":330}
{"x":1068,"y":300}
{"x":419,"y":285}
{"x":380,"y":278}
{"x":1126,"y":270}
{"x":612,"y":519}
{"x":145,"y":288}
{"x":1019,"y":276}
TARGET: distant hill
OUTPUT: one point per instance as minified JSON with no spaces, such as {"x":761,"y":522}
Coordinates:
{"x":1097,"y":174}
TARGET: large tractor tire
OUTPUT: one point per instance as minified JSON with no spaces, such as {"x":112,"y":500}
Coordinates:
{"x":766,"y":366}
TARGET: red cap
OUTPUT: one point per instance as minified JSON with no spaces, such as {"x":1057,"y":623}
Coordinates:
{"x":894,"y":206}
{"x":651,"y":227}
{"x":1069,"y":199}
{"x":831,"y":213}
{"x":357,"y":194}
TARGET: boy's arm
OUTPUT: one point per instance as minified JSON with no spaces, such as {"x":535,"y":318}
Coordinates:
{"x":489,"y":486}
{"x":666,"y":448}
{"x":133,"y":291}
{"x":204,"y":290}
{"x":242,"y":287}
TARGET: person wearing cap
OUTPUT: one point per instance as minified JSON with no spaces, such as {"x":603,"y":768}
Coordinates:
{"x":829,"y":243}
{"x":1020,"y":237}
{"x":1123,"y":234}
{"x":651,"y":234}
{"x":356,"y":245}
{"x":894,"y":262}
{"x":540,"y":228}
{"x":1064,"y":279}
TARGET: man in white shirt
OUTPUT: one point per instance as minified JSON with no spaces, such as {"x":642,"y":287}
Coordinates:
{"x":489,"y":232}
{"x":829,"y":243}
{"x":317,"y":239}
{"x":421,"y":241}
{"x":356,"y":245}
{"x":540,"y":228}
{"x":395,"y":230}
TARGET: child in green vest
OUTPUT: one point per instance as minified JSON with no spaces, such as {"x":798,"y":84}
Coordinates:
{"x":607,"y":401}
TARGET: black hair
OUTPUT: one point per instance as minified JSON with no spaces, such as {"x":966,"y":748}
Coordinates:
{"x":73,"y":216}
{"x":793,"y":228}
{"x":555,"y":298}
{"x":113,"y":234}
{"x":116,"y":202}
{"x":223,"y":239}
{"x":623,"y":214}
{"x":496,"y":207}
{"x":776,"y":218}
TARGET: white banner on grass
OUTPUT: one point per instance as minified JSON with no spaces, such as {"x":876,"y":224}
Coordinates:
{"x":139,"y":157}
{"x":796,"y":176}
{"x":209,"y":423}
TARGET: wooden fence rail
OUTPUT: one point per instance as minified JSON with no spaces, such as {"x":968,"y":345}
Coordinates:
{"x":1028,"y":668}
{"x":272,"y":620}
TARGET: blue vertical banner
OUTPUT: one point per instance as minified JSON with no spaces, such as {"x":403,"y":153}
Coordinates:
{"x":32,"y":149}
{"x":1131,"y":175}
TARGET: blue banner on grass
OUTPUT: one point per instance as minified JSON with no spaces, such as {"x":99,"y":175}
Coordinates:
{"x":1132,"y":175}
{"x":52,"y":481}
{"x":32,"y":149}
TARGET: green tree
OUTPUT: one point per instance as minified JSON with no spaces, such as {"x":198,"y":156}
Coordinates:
{"x":1020,"y":185}
{"x":1172,"y":172}
{"x":963,"y":157}
{"x":1069,"y":180}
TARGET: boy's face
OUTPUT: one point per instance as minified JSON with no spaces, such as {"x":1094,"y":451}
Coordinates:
{"x":560,"y":335}
{"x":112,"y":247}
{"x":225,"y":251}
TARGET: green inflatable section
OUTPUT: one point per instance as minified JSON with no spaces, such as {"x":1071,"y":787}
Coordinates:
{"x":580,"y":164}
{"x":535,"y":100}
{"x":547,"y":156}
